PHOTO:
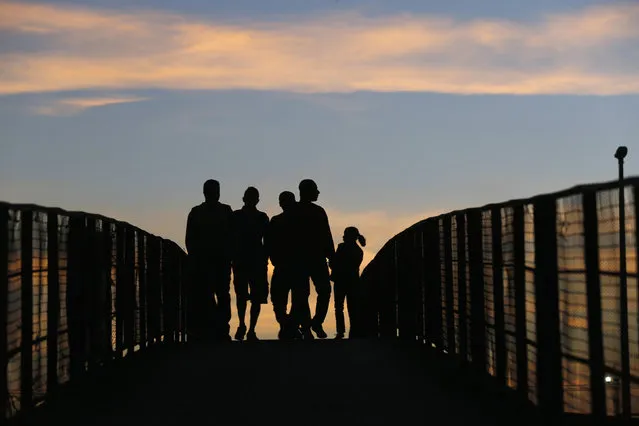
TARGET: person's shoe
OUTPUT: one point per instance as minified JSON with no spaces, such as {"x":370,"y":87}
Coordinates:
{"x":321,"y":334}
{"x":307,"y":335}
{"x":241,"y":331}
{"x":251,"y":336}
{"x":339,"y":336}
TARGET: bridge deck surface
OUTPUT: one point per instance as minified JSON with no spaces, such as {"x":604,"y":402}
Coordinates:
{"x":273,"y":382}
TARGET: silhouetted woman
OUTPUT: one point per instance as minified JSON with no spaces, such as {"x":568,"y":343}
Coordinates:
{"x":345,"y":274}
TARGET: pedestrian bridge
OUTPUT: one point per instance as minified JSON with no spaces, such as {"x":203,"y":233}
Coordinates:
{"x":512,"y":313}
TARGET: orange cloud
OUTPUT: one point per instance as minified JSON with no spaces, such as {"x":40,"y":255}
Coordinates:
{"x":86,"y":48}
{"x":73,"y":106}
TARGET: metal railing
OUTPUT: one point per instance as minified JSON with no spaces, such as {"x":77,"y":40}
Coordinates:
{"x":527,"y":291}
{"x":81,"y":290}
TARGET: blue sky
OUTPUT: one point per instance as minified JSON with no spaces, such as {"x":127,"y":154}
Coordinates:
{"x":399,"y":110}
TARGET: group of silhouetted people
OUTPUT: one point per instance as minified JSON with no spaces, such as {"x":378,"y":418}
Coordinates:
{"x":300,"y":246}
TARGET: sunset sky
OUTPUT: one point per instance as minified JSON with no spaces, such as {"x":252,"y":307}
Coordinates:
{"x":399,"y":110}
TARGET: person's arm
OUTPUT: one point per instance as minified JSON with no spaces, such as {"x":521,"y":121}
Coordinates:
{"x":328,"y":241}
{"x":189,"y":238}
{"x":233,"y":238}
{"x":360,"y":258}
{"x":268,"y":240}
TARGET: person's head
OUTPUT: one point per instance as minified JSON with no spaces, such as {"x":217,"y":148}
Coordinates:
{"x":351,"y":234}
{"x":251,"y":197}
{"x":287,"y":200}
{"x":212,"y":190}
{"x":308,"y":190}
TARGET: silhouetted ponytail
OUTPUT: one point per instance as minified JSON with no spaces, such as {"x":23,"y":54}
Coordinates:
{"x":361,"y":240}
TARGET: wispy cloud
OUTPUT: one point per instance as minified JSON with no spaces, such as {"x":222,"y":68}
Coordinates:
{"x":583,"y":52}
{"x":73,"y":106}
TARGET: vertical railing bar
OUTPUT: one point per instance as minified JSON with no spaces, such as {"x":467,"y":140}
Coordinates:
{"x":107,"y":265}
{"x":593,"y":294}
{"x":549,"y":363}
{"x":129,"y":307}
{"x":120,"y":289}
{"x":4,"y":301}
{"x":436,"y":275}
{"x":142,"y":269}
{"x":26,"y":261}
{"x":450,"y":306}
{"x":519,"y":252}
{"x":53,"y":300}
{"x":460,"y":221}
{"x":498,"y":295}
{"x":478,"y":310}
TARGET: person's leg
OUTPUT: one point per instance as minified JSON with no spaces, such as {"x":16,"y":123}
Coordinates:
{"x":201,"y":303}
{"x":300,"y":291}
{"x":223,"y":295}
{"x":321,"y":281}
{"x":258,"y":282}
{"x":240,"y":284}
{"x":352,"y":306}
{"x":279,"y":297}
{"x":339,"y":309}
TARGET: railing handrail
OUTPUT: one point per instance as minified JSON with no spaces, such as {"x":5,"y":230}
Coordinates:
{"x":412,"y":279}
{"x":38,"y":207}
{"x":110,"y":289}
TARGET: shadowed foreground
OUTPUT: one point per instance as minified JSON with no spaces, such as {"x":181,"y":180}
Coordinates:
{"x":316,"y":383}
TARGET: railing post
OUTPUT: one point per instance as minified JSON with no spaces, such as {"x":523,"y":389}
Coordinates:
{"x":405,"y":302}
{"x":106,"y":256}
{"x":91,"y":285}
{"x":549,"y":371}
{"x":26,"y":242}
{"x":498,"y":295}
{"x":129,"y":289}
{"x":593,"y":293}
{"x":120,"y":289}
{"x":417,"y":259}
{"x":462,"y":296}
{"x":53,"y":300}
{"x":167,"y":291}
{"x":142,"y":275}
{"x":519,"y":255}
{"x":153,"y":281}
{"x":76,"y":289}
{"x":4,"y":302}
{"x":394,"y":280}
{"x":478,"y":311}
{"x":448,"y":268}
{"x":433,"y":282}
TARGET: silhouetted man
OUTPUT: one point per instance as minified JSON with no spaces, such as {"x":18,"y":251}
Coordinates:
{"x":249,"y":262}
{"x":281,"y":244}
{"x":208,"y":242}
{"x":316,"y":247}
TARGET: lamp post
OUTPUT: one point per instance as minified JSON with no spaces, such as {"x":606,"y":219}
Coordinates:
{"x":620,"y":154}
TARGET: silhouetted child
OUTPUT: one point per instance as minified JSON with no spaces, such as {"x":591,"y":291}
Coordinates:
{"x":345,"y":274}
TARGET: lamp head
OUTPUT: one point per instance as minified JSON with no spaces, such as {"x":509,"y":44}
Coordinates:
{"x":621,"y":153}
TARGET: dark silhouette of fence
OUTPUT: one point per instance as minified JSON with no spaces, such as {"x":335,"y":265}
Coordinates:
{"x":527,"y":291}
{"x":81,"y":290}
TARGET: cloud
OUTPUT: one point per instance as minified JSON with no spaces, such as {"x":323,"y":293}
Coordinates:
{"x":87,"y":48}
{"x":73,"y":106}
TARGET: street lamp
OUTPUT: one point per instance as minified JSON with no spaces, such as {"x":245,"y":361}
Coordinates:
{"x":620,"y":154}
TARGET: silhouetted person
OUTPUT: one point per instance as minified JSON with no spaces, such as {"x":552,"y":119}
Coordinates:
{"x":250,"y":262}
{"x":345,"y":273}
{"x":208,"y":242}
{"x":316,"y":246}
{"x":282,"y":246}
